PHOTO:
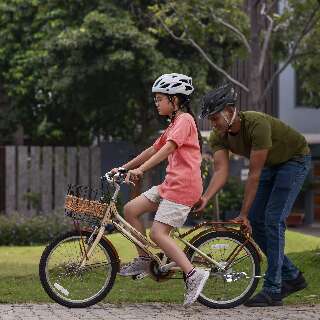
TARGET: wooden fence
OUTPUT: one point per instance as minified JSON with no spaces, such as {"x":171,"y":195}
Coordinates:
{"x":34,"y":179}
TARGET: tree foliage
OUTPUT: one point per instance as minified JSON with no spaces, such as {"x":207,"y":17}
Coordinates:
{"x":283,"y":32}
{"x":79,"y":70}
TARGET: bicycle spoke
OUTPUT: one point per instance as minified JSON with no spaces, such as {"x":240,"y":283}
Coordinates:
{"x":80,"y":283}
{"x":238,"y":260}
{"x":225,"y":285}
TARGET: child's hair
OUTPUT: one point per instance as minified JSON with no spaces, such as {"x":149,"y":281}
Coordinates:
{"x":184,"y":104}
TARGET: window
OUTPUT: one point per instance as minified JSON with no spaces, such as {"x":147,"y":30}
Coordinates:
{"x":304,"y":97}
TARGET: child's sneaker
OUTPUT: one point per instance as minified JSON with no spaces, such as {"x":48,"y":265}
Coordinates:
{"x":194,"y":285}
{"x":137,"y":266}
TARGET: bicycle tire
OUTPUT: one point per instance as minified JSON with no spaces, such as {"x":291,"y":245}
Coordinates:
{"x":256,"y":262}
{"x":58,"y":297}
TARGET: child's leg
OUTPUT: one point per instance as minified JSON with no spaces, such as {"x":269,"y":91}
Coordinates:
{"x":134,"y":209}
{"x":160,"y":235}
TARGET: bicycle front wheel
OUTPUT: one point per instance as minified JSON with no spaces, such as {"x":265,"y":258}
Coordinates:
{"x":71,"y":285}
{"x":233,"y":286}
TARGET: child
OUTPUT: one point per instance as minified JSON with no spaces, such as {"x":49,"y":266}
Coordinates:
{"x":173,"y":199}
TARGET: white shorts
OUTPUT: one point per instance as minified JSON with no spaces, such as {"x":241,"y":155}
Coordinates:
{"x":171,"y":213}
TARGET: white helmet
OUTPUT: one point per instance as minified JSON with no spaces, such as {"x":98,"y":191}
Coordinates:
{"x":173,"y":83}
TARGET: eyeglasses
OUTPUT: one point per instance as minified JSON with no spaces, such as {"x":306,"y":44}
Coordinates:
{"x":158,"y":100}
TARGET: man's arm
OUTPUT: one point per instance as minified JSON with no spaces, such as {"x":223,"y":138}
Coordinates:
{"x":219,"y":178}
{"x":257,"y":161}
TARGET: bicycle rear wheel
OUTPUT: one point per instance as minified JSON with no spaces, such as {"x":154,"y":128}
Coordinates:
{"x":232,"y":287}
{"x":68,"y":284}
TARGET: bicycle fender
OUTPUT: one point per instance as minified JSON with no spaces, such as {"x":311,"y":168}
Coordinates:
{"x":204,"y":232}
{"x":114,"y":250}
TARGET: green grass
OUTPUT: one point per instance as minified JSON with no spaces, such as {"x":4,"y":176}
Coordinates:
{"x":19,"y":281}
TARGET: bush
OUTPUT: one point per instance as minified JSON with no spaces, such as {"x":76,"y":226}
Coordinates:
{"x":231,"y":196}
{"x":18,"y":229}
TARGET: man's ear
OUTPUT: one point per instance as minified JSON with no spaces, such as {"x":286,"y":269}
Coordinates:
{"x":230,"y":109}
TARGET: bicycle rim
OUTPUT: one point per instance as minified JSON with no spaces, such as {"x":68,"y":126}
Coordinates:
{"x":71,"y":283}
{"x":225,"y":288}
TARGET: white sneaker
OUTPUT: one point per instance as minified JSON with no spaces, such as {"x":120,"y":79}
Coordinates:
{"x":137,"y":266}
{"x":194,"y":286}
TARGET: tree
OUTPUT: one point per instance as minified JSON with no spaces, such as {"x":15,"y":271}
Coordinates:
{"x":307,"y":65}
{"x":260,"y":28}
{"x":80,"y":70}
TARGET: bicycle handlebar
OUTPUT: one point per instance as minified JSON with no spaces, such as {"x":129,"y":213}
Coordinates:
{"x":118,"y":178}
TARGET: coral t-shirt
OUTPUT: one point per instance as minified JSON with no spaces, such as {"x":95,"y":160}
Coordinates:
{"x":183,"y":183}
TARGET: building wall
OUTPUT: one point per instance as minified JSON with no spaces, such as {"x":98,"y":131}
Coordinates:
{"x":307,"y":121}
{"x":304,"y":119}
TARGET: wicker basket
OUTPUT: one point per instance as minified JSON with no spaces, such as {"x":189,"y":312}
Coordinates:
{"x":91,"y":208}
{"x":79,"y":204}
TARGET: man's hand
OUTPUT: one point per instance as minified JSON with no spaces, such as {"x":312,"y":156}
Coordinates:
{"x":220,"y":168}
{"x":245,"y":221}
{"x":201,"y":204}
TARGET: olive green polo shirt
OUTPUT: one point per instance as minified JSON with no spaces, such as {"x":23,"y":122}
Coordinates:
{"x":262,"y":131}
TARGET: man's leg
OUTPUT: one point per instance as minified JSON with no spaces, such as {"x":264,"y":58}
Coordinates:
{"x":257,"y":210}
{"x":287,"y":185}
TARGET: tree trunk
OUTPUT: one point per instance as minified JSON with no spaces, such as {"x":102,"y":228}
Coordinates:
{"x":19,"y":135}
{"x":255,"y":77}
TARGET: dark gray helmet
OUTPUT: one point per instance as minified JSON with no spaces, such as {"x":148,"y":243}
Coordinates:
{"x":215,"y":100}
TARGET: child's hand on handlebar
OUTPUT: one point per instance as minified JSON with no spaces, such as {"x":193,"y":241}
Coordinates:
{"x":134,"y":174}
{"x":116,"y":175}
{"x":114,"y":171}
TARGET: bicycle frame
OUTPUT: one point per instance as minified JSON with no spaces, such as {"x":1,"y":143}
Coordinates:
{"x":112,"y":216}
{"x":65,"y":271}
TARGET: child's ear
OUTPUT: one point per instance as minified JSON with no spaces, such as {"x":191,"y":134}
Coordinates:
{"x":176,"y":101}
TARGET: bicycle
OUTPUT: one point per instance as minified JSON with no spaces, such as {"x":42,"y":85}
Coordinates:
{"x":78,"y":269}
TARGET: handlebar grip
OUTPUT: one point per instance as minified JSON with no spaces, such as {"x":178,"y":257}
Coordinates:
{"x":118,"y":177}
{"x":122,"y":170}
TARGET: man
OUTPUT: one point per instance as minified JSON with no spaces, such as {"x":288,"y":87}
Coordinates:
{"x":279,"y":162}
